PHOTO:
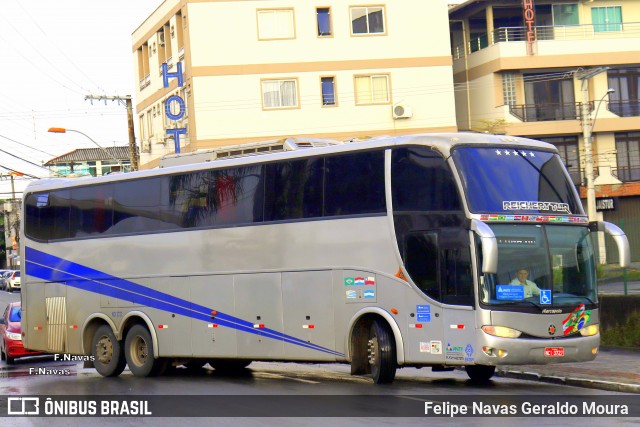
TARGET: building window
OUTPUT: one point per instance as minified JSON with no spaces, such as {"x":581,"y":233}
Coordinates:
{"x":324,"y":21}
{"x":509,"y":88}
{"x":628,"y":156}
{"x":372,"y":89}
{"x":606,"y":19}
{"x":328,"y":85}
{"x":367,"y":20}
{"x":565,"y":14}
{"x":569,"y":153}
{"x":275,"y":24}
{"x":279,"y":93}
{"x":625,"y":101}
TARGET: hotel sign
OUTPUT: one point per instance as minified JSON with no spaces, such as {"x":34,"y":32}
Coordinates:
{"x":174,"y":132}
{"x":530,"y":24}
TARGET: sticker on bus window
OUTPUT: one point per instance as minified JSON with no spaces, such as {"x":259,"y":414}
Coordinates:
{"x":509,"y":292}
{"x":545,"y":296}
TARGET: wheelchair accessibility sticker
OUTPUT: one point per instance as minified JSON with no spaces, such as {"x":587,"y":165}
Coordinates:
{"x":545,"y":296}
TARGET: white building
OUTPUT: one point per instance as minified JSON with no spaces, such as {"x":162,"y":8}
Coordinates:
{"x":268,"y":69}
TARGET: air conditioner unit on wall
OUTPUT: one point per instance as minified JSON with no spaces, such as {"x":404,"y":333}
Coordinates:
{"x":401,"y":111}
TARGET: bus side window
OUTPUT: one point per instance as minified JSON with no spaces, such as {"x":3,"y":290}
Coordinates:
{"x":421,"y":262}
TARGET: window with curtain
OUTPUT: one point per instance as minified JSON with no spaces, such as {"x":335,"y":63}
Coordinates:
{"x":275,"y":24}
{"x":372,"y":89}
{"x":279,"y":93}
{"x":606,"y":19}
{"x":367,"y":20}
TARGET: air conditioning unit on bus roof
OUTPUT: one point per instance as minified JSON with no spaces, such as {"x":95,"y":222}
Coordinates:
{"x":401,"y":111}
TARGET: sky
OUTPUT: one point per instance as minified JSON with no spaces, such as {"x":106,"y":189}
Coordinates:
{"x":54,"y":54}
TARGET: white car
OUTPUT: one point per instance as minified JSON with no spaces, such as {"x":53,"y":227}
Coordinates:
{"x":13,"y":281}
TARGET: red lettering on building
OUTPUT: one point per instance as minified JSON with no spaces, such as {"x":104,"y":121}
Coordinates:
{"x":529,"y":20}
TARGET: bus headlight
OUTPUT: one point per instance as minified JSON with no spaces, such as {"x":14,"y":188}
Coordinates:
{"x":590,"y":330}
{"x":501,"y":331}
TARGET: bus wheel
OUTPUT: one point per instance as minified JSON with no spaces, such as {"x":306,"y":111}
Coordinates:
{"x":480,"y":373}
{"x":108,"y":357}
{"x":381,"y":353}
{"x":229,"y":366}
{"x":139,"y":353}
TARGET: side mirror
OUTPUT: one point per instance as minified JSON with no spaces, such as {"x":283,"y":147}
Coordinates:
{"x":621,"y":242}
{"x":489,"y":246}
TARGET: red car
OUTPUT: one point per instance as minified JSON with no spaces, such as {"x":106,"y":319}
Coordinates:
{"x":11,"y":342}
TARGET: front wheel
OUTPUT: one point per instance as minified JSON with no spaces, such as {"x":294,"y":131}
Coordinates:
{"x":480,"y":373}
{"x":138,"y":348}
{"x":108,"y":358}
{"x":381,"y":353}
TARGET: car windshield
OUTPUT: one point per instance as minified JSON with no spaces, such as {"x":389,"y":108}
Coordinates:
{"x":515,"y":181}
{"x":541,"y":265}
{"x":16,"y":314}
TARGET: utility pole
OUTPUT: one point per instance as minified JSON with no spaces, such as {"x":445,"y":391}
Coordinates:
{"x":127,"y":102}
{"x":585,"y":116}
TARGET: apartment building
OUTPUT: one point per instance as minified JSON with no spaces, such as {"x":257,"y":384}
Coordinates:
{"x":243,"y":71}
{"x":557,"y":71}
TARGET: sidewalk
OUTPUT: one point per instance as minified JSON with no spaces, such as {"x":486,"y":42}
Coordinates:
{"x":613,"y":369}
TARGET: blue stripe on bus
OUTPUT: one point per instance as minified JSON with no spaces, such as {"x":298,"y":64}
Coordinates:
{"x":53,"y":269}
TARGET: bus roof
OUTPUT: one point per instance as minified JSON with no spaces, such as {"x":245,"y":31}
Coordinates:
{"x":292,"y":148}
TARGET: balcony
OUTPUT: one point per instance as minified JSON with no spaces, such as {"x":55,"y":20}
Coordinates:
{"x":627,"y":108}
{"x":564,"y":33}
{"x":546,"y":112}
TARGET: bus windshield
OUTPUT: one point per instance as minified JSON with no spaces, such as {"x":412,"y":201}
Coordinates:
{"x":515,"y":181}
{"x":541,"y":265}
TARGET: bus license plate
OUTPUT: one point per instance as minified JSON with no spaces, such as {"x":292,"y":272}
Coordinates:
{"x":554,"y":351}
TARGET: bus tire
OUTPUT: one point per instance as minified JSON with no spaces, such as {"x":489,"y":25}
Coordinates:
{"x":138,"y":350}
{"x":108,"y":357}
{"x":480,"y":373}
{"x":229,"y":366}
{"x":381,"y":352}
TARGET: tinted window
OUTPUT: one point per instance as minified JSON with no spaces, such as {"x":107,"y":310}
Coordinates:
{"x":515,"y":180}
{"x":48,"y":215}
{"x":137,"y":207}
{"x":354,"y":184}
{"x":421,"y":262}
{"x":91,"y":211}
{"x":422,"y":181}
{"x":294,"y":189}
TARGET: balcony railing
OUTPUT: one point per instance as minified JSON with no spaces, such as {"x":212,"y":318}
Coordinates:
{"x":628,"y":108}
{"x":627,"y":174}
{"x":546,"y":112}
{"x":563,"y":32}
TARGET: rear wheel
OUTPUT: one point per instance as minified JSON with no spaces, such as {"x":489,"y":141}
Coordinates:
{"x":138,"y":348}
{"x":480,"y":373}
{"x":108,"y":357}
{"x":381,"y":353}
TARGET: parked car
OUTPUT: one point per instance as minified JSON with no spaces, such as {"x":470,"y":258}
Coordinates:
{"x":13,"y":281}
{"x":3,"y":276}
{"x":11,"y":343}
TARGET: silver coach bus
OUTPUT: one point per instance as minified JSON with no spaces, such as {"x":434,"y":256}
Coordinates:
{"x":391,"y":252}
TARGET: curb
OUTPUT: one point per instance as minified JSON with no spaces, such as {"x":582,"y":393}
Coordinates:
{"x":568,"y":381}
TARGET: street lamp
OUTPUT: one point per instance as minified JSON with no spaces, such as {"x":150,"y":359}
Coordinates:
{"x":64,"y":130}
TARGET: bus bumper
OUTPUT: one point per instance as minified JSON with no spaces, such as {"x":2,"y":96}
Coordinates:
{"x":516,"y":351}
